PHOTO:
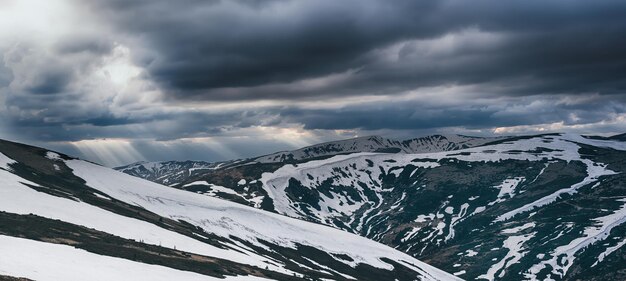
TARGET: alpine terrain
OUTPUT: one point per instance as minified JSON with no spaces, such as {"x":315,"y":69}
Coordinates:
{"x":202,"y":140}
{"x":63,"y":218}
{"x":542,"y":207}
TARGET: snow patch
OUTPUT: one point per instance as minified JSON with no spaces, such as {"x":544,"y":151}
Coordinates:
{"x":519,"y":228}
{"x":53,"y":156}
{"x":516,"y":251}
{"x":507,"y":189}
{"x":5,"y":162}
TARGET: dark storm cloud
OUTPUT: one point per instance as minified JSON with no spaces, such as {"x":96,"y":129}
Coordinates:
{"x":203,"y":46}
{"x":92,"y":44}
{"x":50,"y":80}
{"x":38,"y":71}
{"x":158,"y":126}
{"x":156,"y":71}
{"x":417,"y":116}
{"x":45,"y":74}
{"x":6,"y":76}
{"x":198,"y":47}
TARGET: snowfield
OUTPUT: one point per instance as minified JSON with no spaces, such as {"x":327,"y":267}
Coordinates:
{"x":51,"y":262}
{"x":19,"y":199}
{"x":226,"y":219}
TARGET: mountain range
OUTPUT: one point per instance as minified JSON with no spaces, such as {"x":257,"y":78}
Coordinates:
{"x":172,"y":172}
{"x":541,"y":207}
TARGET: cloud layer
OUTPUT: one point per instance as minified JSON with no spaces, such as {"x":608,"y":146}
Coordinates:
{"x":160,"y":73}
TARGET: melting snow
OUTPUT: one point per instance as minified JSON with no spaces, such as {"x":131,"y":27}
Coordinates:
{"x":507,"y":189}
{"x":563,"y":257}
{"x":470,"y":253}
{"x":609,"y":251}
{"x":214,"y":188}
{"x":514,"y":245}
{"x":519,"y":228}
{"x":594,"y":171}
{"x":53,"y":156}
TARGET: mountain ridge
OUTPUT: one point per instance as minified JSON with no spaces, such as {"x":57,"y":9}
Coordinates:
{"x":509,"y":194}
{"x":168,"y":172}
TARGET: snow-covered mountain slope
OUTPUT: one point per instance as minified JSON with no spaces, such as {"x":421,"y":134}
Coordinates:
{"x":525,"y":208}
{"x":67,"y":219}
{"x":169,"y":172}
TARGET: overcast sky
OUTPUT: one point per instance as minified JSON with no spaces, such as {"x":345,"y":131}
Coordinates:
{"x":120,"y":81}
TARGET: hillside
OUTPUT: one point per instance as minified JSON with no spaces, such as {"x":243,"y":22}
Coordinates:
{"x":80,"y":221}
{"x":525,"y":208}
